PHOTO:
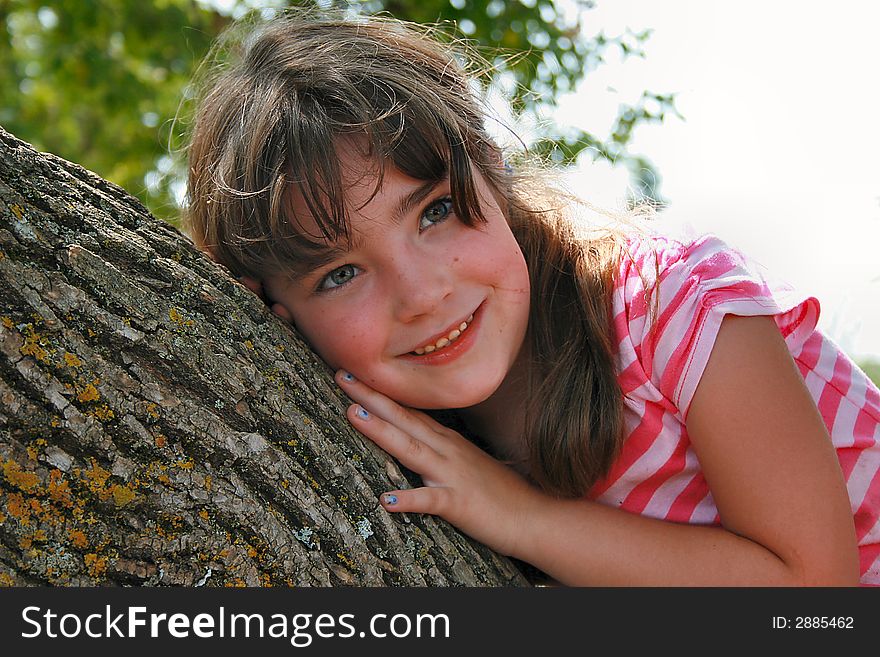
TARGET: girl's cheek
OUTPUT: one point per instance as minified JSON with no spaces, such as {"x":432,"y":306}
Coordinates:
{"x":348,"y":342}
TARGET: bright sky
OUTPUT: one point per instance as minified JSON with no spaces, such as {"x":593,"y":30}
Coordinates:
{"x":779,"y":152}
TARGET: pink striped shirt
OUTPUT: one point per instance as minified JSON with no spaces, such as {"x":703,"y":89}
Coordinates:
{"x":657,"y":473}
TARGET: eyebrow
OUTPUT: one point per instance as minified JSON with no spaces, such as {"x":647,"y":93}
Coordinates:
{"x":322,"y":254}
{"x":416,"y":196}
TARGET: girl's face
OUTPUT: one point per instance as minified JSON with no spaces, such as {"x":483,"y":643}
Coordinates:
{"x":413,"y":276}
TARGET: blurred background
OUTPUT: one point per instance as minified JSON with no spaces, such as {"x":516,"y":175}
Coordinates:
{"x":751,"y":120}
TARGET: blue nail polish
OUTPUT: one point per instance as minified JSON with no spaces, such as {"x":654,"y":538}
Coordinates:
{"x":348,"y":376}
{"x":391,"y":499}
{"x":362,"y":413}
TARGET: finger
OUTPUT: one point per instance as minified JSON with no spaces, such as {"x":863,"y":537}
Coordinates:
{"x":407,"y":419}
{"x":411,"y":452}
{"x":416,"y":500}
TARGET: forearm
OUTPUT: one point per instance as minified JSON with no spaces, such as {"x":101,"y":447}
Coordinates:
{"x":583,"y":543}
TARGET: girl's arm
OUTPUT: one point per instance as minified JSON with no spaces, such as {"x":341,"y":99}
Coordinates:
{"x":764,"y":451}
{"x":774,"y":477}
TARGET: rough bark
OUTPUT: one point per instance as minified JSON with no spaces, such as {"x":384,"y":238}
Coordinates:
{"x":158,"y":426}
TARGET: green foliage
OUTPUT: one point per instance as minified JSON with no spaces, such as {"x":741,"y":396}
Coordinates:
{"x":100,"y":82}
{"x":871,"y":367}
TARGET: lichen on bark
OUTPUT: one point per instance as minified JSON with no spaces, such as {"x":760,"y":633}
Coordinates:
{"x":158,"y":426}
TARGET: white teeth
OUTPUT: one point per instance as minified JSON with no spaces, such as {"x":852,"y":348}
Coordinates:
{"x":454,"y":334}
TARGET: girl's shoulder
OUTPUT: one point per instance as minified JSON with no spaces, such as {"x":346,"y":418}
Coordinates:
{"x":672,"y":294}
{"x":651,"y":255}
{"x":648,"y":260}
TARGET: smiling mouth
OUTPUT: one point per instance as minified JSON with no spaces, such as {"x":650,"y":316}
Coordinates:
{"x":444,"y":341}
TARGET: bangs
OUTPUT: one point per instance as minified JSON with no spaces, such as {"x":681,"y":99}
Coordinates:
{"x":271,"y":128}
{"x":421,"y":150}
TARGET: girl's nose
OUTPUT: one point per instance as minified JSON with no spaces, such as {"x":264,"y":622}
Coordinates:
{"x":420,"y":287}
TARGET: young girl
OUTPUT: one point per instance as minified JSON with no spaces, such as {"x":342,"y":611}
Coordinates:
{"x":658,"y":412}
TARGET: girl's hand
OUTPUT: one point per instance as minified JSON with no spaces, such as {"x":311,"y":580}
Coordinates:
{"x":481,"y":496}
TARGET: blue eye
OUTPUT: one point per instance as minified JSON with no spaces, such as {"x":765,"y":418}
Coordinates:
{"x":338,"y":277}
{"x":436,"y":213}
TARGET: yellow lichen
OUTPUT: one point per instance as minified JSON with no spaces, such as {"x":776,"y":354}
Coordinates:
{"x":96,"y":477}
{"x":87,"y":394}
{"x":204,"y":515}
{"x":185,"y":464}
{"x":78,"y":538}
{"x":249,"y":344}
{"x":344,"y":559}
{"x":102,"y":412}
{"x":17,"y":210}
{"x":97,"y":565}
{"x":33,"y":345}
{"x":72,"y":360}
{"x":208,"y":481}
{"x":21,"y":479}
{"x":18,"y":508}
{"x":178,"y":318}
{"x":122,"y":495}
{"x":59,"y":490}
{"x":7,"y":322}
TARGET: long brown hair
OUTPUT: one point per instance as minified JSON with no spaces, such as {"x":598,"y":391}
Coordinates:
{"x":269,"y":121}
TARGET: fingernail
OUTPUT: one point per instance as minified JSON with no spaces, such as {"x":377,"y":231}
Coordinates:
{"x":390,"y":499}
{"x":362,"y":413}
{"x":348,"y":376}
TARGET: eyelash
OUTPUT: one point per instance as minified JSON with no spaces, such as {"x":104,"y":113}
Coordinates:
{"x":445,"y":202}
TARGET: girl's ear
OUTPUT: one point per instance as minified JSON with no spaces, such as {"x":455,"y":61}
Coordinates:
{"x":282,"y":312}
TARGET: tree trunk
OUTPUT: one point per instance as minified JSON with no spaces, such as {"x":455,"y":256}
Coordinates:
{"x":159,"y":426}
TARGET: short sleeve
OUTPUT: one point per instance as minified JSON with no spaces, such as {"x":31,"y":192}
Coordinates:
{"x":699,"y":283}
